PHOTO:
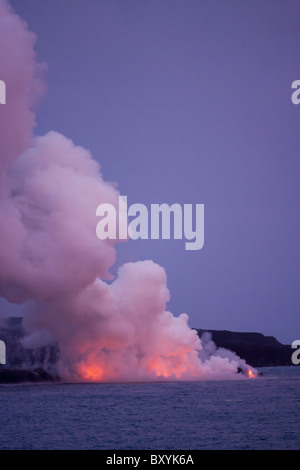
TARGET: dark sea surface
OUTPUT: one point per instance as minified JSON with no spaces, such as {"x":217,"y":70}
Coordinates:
{"x":262,"y":413}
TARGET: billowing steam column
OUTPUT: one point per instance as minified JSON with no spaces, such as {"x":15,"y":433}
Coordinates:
{"x":50,"y":254}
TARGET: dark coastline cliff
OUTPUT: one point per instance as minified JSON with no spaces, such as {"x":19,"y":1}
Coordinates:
{"x":257,"y":350}
{"x":27,"y":365}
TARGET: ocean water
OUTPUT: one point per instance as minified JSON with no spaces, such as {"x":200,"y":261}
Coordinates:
{"x":262,"y":413}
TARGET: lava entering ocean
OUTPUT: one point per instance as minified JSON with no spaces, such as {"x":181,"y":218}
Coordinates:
{"x":52,"y":261}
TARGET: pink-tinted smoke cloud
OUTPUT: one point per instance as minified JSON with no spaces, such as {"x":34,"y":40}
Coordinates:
{"x":50,"y":254}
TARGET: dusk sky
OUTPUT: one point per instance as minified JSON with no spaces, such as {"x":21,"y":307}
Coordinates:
{"x":190,"y":102}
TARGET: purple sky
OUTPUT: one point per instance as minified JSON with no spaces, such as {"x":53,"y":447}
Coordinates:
{"x":190,"y":102}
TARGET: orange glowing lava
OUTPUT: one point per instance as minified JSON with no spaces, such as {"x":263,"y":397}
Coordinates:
{"x":174,"y":365}
{"x":250,"y":374}
{"x":93,"y":373}
{"x":159,"y":368}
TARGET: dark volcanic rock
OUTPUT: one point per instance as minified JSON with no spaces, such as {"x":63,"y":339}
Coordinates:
{"x":257,"y":350}
{"x":17,"y":355}
{"x":9,"y":376}
{"x":25,"y":364}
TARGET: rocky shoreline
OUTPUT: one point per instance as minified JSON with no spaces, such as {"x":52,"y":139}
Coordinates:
{"x":15,"y":376}
{"x":27,"y":365}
